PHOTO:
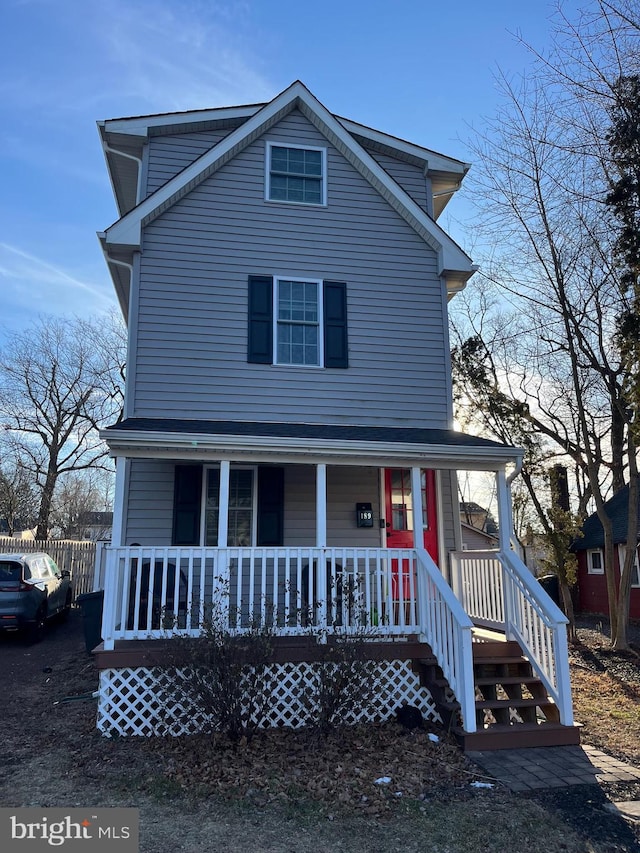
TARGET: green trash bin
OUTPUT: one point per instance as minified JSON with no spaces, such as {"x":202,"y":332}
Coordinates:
{"x":91,"y":605}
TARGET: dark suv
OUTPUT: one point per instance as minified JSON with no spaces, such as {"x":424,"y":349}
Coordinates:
{"x":32,"y":590}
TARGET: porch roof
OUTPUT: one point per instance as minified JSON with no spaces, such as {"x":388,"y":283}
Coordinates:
{"x":340,"y":444}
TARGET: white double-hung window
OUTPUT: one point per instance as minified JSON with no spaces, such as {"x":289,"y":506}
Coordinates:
{"x":298,"y":321}
{"x":296,"y":174}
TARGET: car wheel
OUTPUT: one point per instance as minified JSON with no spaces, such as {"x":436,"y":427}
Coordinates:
{"x":36,"y":631}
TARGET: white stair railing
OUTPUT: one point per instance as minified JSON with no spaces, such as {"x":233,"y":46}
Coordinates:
{"x":447,"y":629}
{"x":537,"y":623}
{"x":498,"y":591}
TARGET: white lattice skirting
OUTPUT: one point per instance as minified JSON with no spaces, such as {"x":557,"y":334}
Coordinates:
{"x":144,"y":701}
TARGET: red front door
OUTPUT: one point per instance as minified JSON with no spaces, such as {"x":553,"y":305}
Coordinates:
{"x":398,"y":510}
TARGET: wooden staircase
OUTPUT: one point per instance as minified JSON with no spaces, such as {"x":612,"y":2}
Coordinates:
{"x":513,"y":709}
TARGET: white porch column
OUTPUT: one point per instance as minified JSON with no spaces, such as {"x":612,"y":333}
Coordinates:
{"x":504,"y":510}
{"x":504,"y":522}
{"x":321,"y":505}
{"x":119,"y":501}
{"x":416,"y":504}
{"x":223,"y":505}
{"x":112,"y":567}
{"x":321,"y":542}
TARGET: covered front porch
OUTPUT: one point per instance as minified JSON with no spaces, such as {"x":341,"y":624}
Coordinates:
{"x":427,"y":601}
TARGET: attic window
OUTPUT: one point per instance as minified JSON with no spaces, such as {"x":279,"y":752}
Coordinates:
{"x":296,"y":175}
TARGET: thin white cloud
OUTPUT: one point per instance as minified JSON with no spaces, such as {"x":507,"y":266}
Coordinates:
{"x":184,"y":56}
{"x":33,"y":282}
{"x":134,"y":56}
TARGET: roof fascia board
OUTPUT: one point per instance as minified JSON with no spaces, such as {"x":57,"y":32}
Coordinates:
{"x":434,"y":161}
{"x":128,"y":230}
{"x":452,"y":258}
{"x":142,"y":125}
{"x":374,"y":453}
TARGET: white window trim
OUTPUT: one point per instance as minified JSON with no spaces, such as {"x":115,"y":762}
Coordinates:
{"x":254,"y":503}
{"x":622,"y":550}
{"x":276,"y":286}
{"x":590,"y":569}
{"x":267,"y":175}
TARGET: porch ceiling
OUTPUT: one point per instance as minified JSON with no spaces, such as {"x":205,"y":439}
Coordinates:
{"x":306,"y":443}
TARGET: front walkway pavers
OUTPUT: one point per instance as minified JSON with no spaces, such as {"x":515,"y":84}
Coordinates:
{"x":553,"y":767}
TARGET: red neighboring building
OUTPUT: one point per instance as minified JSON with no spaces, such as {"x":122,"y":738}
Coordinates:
{"x":592,"y":584}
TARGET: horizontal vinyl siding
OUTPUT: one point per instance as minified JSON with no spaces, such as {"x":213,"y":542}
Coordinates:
{"x":192,"y":335}
{"x":150,"y":511}
{"x":449,"y":509}
{"x":169,"y":155}
{"x":150,"y":508}
{"x":345,"y":487}
{"x":411,"y":178}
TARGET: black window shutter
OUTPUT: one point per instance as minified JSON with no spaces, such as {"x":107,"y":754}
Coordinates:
{"x":336,"y":353}
{"x":270,"y":506}
{"x":187,"y":504}
{"x":260,"y":331}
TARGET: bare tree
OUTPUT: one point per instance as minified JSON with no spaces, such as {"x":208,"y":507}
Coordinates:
{"x":18,"y":497}
{"x":544,"y":363}
{"x":77,"y":495}
{"x":58,"y":385}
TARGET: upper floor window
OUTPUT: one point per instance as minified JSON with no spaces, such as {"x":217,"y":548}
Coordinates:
{"x":297,"y":330}
{"x":296,"y":174}
{"x":297,"y":322}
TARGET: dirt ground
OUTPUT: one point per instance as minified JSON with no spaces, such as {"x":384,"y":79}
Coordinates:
{"x":286,"y":792}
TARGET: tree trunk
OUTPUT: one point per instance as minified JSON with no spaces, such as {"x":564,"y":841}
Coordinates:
{"x":617,"y":443}
{"x":610,"y":575}
{"x":619,"y":636}
{"x":567,"y":606}
{"x":46,"y":500}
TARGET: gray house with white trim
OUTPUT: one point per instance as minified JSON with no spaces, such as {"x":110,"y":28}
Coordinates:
{"x":287,"y":430}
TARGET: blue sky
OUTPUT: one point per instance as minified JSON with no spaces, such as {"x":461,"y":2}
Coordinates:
{"x":419,"y":70}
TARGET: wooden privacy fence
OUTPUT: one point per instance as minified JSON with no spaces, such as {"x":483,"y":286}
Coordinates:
{"x":77,"y":557}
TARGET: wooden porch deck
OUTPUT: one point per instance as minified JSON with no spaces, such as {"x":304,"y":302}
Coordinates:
{"x":513,"y":708}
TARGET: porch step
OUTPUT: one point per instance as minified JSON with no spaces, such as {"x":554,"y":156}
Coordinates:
{"x":513,"y":708}
{"x":519,"y":736}
{"x":510,"y":703}
{"x":507,"y":679}
{"x":496,"y":649}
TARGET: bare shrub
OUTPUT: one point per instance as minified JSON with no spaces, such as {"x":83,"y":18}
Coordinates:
{"x":344,"y":686}
{"x":224,"y":678}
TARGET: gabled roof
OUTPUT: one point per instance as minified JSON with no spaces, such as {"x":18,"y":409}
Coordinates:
{"x":126,"y":234}
{"x":617,"y":508}
{"x":123,"y":141}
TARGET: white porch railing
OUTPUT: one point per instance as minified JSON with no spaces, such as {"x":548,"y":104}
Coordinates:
{"x":159,"y":592}
{"x":498,"y":591}
{"x":290,"y":589}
